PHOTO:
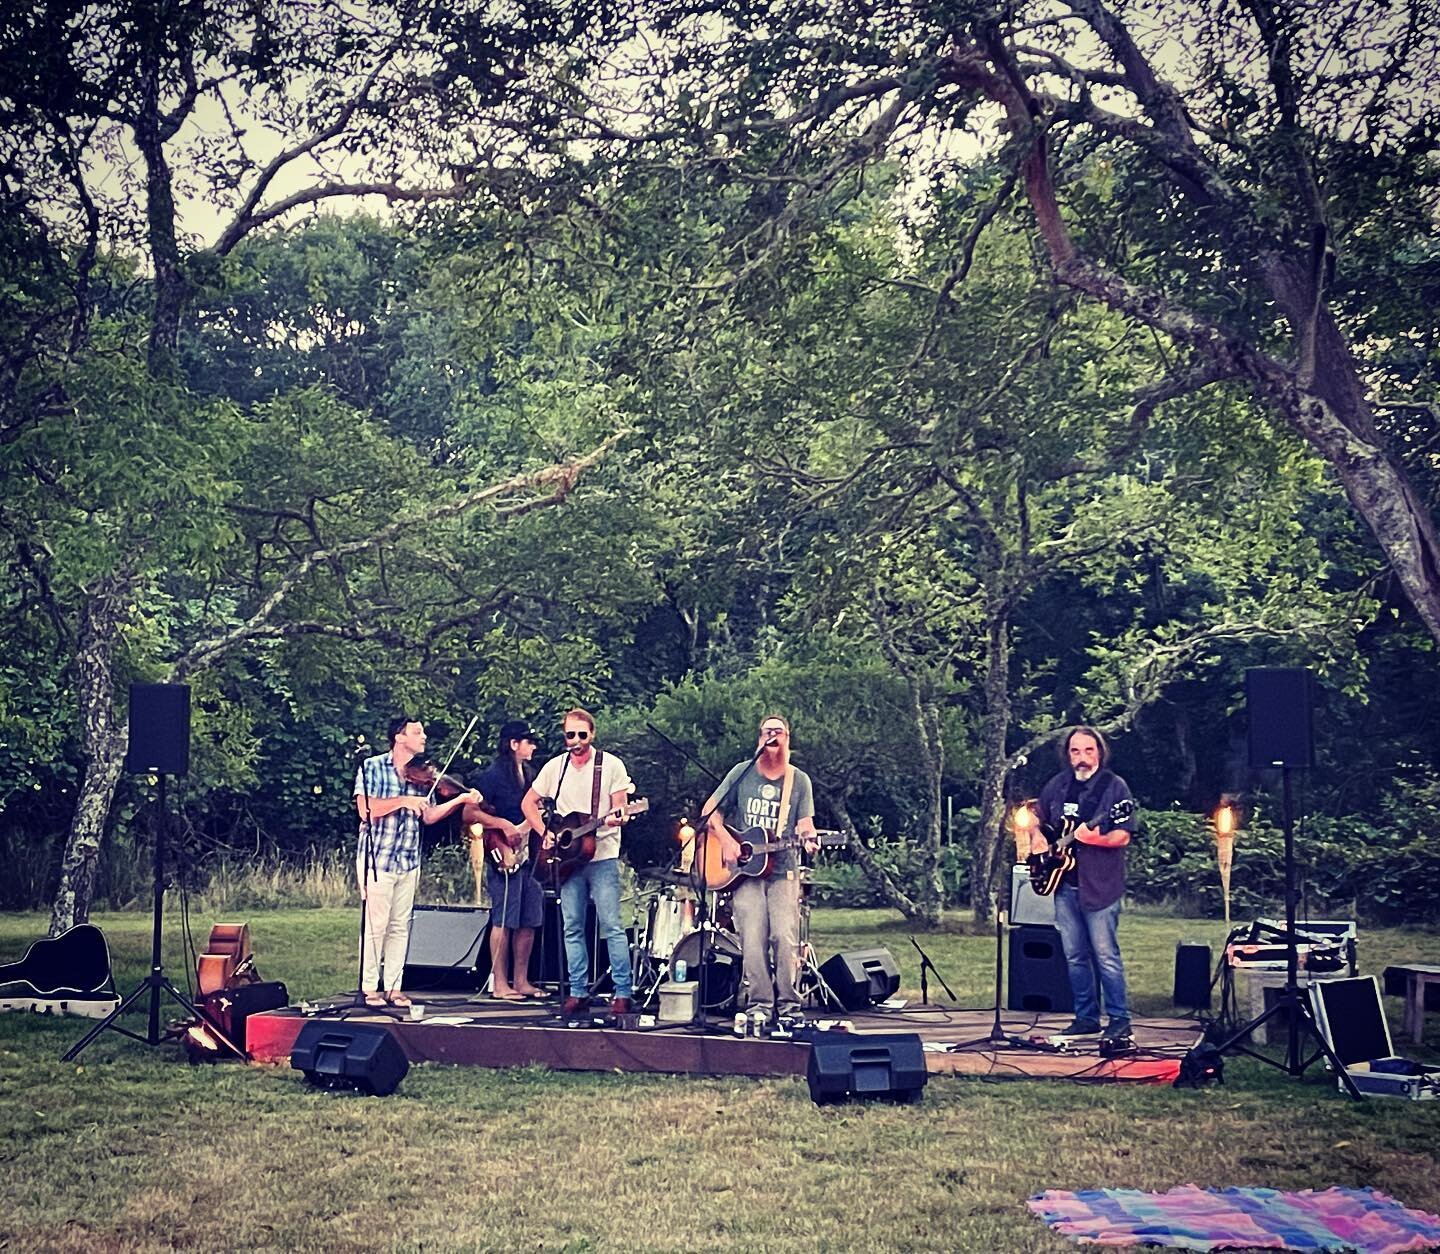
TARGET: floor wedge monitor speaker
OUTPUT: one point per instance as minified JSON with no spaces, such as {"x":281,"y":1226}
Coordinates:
{"x":864,"y":1065}
{"x":862,"y":977}
{"x":361,"y":1056}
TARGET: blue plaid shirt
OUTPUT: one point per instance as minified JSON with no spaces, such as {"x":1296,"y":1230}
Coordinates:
{"x":396,"y":837}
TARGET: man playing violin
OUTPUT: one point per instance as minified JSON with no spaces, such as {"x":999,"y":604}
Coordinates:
{"x":387,"y":859}
{"x":586,"y":780}
{"x":768,"y":793}
{"x":517,"y":906}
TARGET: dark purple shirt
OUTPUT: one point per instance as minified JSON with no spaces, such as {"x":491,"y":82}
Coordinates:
{"x":1101,"y":871}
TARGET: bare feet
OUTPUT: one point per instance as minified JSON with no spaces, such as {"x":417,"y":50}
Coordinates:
{"x":507,"y":994}
{"x":397,"y":998}
{"x":374,"y":998}
{"x":529,"y":990}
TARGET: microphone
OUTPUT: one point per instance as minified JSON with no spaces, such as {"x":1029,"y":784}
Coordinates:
{"x":771,"y":742}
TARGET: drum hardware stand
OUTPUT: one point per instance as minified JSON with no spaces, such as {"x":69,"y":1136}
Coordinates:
{"x":811,"y":983}
{"x":927,"y":965}
{"x":156,"y":982}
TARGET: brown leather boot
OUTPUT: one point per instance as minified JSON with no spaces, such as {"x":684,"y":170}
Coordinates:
{"x":574,"y":1007}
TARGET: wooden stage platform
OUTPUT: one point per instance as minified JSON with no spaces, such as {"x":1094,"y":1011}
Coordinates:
{"x":477,"y":1031}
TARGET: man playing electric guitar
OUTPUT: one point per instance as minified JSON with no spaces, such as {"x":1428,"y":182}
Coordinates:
{"x":517,"y":906}
{"x":1087,"y":903}
{"x":772,"y":795}
{"x":586,"y":780}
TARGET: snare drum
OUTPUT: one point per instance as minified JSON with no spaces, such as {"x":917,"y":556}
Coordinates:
{"x":720,"y":979}
{"x":669,"y":921}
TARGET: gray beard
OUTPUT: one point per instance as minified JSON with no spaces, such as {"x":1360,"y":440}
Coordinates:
{"x":1082,"y":773}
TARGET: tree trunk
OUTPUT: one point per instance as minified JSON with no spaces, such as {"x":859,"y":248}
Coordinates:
{"x":172,"y":289}
{"x":890,"y":890}
{"x":103,"y":742}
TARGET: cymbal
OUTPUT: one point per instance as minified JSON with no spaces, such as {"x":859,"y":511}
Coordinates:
{"x":668,"y":875}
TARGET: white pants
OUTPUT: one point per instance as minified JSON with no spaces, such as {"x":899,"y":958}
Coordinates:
{"x":389,"y":901}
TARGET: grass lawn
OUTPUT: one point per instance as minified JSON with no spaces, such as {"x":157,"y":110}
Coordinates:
{"x":130,"y":1148}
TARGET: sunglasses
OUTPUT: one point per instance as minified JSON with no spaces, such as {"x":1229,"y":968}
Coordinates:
{"x":773,"y":731}
{"x":577,"y":735}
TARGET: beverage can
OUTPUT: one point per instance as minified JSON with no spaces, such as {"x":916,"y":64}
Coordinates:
{"x":741,"y":1023}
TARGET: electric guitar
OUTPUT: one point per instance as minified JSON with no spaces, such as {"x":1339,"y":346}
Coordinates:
{"x":1048,"y":869}
{"x":570,"y":840}
{"x":74,"y":964}
{"x":503,"y":854}
{"x":755,"y":850}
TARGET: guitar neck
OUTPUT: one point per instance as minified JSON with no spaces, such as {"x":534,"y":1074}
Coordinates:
{"x":826,"y":838}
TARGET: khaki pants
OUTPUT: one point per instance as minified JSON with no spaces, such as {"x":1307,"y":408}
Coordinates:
{"x":389,"y":902}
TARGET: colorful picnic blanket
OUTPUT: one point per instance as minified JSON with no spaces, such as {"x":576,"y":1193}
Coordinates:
{"x":1193,"y":1218}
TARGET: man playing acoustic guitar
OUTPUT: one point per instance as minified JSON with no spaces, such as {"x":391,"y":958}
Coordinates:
{"x":1087,"y":903}
{"x":584,"y":780}
{"x":770,"y":794}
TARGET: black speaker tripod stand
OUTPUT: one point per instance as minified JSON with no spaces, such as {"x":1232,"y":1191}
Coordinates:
{"x":1291,"y":1001}
{"x":156,"y":982}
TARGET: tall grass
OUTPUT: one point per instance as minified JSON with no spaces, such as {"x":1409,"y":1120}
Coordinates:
{"x":321,"y":880}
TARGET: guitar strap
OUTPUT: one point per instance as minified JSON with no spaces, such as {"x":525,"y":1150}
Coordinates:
{"x":595,"y":785}
{"x":785,"y":790}
{"x":1094,"y":789}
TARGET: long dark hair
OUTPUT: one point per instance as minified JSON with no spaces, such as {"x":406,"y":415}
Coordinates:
{"x":1094,"y":735}
{"x":504,"y":752}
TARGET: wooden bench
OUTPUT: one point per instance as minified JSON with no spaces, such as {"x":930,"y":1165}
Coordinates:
{"x":1418,"y":977}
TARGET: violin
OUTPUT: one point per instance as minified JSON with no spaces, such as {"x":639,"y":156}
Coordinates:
{"x":420,"y":772}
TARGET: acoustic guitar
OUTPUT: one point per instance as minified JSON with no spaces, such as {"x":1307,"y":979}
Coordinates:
{"x":571,"y":842}
{"x":1048,"y":869}
{"x":756,"y":849}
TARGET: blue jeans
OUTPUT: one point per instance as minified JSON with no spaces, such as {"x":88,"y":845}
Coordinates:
{"x":600,"y":882}
{"x":1090,"y":945}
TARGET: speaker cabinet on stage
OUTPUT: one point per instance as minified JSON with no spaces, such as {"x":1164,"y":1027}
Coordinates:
{"x":862,"y":977}
{"x":159,"y":729}
{"x":1277,"y":700}
{"x":1026,"y":905}
{"x":1192,"y":975}
{"x":449,"y":948}
{"x":361,"y":1056}
{"x":883,"y":1064}
{"x":1038,"y":979}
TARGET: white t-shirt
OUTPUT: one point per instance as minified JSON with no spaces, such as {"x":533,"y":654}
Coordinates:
{"x":575,"y":790}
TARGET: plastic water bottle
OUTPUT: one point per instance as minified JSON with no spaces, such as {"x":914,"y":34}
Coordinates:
{"x":681,"y":970}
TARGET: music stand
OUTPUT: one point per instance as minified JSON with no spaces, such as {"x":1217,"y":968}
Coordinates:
{"x":160,"y":746}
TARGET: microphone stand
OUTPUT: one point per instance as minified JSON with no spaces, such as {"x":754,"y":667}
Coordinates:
{"x":997,"y":1032}
{"x":927,"y":965}
{"x":683,"y":752}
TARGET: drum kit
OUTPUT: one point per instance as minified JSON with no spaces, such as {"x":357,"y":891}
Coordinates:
{"x":679,"y":940}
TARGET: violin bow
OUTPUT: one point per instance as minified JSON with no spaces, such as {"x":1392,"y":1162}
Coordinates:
{"x":430,"y":796}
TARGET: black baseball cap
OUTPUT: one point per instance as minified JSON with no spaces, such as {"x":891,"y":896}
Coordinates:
{"x":516,"y":729}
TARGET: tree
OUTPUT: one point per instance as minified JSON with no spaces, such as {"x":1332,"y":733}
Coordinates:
{"x":1225,"y":199}
{"x":129,"y":543}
